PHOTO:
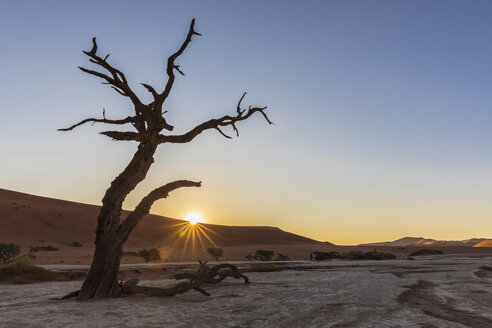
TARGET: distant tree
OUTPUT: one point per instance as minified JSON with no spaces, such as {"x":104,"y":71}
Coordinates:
{"x":8,"y":252}
{"x":215,"y":252}
{"x":152,"y":254}
{"x":263,"y":255}
{"x":151,"y":129}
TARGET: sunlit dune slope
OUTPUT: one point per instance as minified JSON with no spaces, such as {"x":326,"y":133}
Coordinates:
{"x":485,"y":243}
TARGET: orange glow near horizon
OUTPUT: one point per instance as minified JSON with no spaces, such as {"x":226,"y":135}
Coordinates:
{"x":193,"y":218}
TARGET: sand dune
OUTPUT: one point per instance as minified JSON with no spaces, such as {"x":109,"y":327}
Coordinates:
{"x":420,"y":241}
{"x":485,"y":243}
{"x":39,"y":221}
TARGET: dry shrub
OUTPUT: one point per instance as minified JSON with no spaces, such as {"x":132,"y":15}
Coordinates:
{"x":426,"y":251}
{"x":22,"y":271}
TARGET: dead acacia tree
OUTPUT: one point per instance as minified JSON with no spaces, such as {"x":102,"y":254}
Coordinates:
{"x":150,"y":130}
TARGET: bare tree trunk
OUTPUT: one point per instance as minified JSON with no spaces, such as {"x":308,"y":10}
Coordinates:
{"x":102,"y":279}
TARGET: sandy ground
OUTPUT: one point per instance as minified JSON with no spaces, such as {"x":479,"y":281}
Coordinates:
{"x":438,"y":291}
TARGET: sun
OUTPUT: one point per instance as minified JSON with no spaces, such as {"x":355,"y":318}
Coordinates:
{"x":194,"y":218}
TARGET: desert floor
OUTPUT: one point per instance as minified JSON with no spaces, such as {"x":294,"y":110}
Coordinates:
{"x":434,"y":291}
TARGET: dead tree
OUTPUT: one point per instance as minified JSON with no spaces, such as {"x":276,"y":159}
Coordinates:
{"x":150,"y":129}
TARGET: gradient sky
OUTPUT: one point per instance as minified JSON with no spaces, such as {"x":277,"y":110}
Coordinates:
{"x":382,"y":110}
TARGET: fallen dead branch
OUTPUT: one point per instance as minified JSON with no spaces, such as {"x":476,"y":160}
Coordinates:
{"x":204,"y":275}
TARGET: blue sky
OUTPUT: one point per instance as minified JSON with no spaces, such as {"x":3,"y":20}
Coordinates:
{"x":381,"y":110}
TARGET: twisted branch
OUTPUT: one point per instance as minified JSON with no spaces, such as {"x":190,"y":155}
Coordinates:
{"x":143,"y":208}
{"x":117,"y":79}
{"x":171,"y":66}
{"x":205,"y":274}
{"x":242,"y":114}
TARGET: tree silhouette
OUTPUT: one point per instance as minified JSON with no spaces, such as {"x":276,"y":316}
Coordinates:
{"x":8,"y":252}
{"x":215,"y":252}
{"x":148,"y":124}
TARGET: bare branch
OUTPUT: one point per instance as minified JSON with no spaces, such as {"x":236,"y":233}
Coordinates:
{"x":129,"y":119}
{"x":220,"y":131}
{"x":151,"y":90}
{"x":171,"y":66}
{"x":119,"y":91}
{"x":180,"y":71}
{"x":130,"y":287}
{"x":117,"y":79}
{"x":123,"y":136}
{"x":143,"y":208}
{"x":239,"y":110}
{"x":242,"y":114}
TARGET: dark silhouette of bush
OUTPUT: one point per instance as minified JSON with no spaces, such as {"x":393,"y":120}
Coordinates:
{"x":152,"y":254}
{"x":49,"y":248}
{"x":282,"y":257}
{"x":263,"y":255}
{"x":249,"y":257}
{"x":76,"y":244}
{"x":360,"y":255}
{"x":8,"y":252}
{"x":426,"y":251}
{"x":320,"y":256}
{"x":215,"y":252}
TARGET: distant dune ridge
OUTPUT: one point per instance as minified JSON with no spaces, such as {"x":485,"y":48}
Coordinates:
{"x":420,"y":241}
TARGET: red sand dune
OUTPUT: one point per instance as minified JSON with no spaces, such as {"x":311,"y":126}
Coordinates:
{"x":36,"y":221}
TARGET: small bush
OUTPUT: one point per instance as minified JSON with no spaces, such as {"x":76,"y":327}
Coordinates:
{"x":282,"y":257}
{"x":249,"y":257}
{"x":215,"y":252}
{"x":263,"y":255}
{"x":8,"y":252}
{"x":152,"y":254}
{"x":49,"y":248}
{"x":76,"y":244}
{"x":426,"y":251}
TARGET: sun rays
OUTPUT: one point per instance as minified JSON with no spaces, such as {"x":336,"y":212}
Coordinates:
{"x":193,"y":235}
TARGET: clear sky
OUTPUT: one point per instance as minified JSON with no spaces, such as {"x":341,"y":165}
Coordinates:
{"x":382,"y":110}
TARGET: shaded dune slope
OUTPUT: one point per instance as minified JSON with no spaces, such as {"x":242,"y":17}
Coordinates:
{"x":31,"y":220}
